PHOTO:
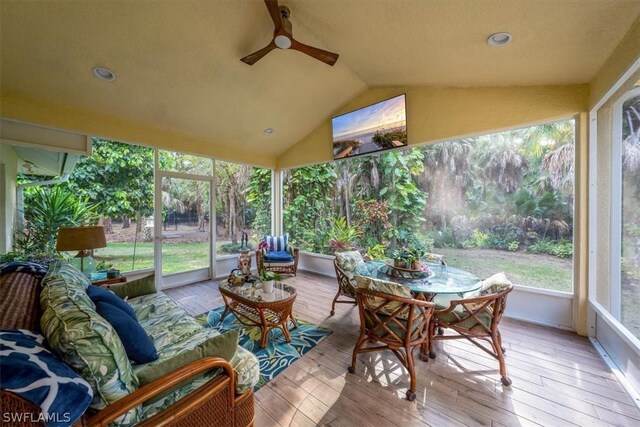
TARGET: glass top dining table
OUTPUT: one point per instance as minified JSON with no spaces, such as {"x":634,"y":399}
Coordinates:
{"x":441,"y":278}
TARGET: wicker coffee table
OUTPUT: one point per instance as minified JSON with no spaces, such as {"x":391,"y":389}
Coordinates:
{"x":253,"y":307}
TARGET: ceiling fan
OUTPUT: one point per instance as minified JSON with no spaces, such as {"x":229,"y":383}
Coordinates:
{"x":283,"y":38}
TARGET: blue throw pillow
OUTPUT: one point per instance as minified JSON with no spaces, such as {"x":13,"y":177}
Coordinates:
{"x":31,"y":371}
{"x":136,"y":342}
{"x":98,"y":294}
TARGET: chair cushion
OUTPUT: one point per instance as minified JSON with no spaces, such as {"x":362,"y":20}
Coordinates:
{"x":348,"y":261}
{"x":156,"y":311}
{"x":223,"y":345}
{"x":493,"y":284}
{"x":387,"y":288}
{"x":278,"y":256}
{"x":34,"y":373}
{"x":277,"y":243}
{"x":98,"y":294}
{"x":135,"y":288}
{"x":137,"y":344}
{"x":469,"y":323}
{"x":84,"y":339}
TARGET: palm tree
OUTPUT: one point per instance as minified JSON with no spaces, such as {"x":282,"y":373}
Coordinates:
{"x":503,"y":164}
{"x":554,"y":143}
{"x":447,"y":175}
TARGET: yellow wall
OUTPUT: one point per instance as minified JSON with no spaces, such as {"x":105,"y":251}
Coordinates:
{"x":440,"y":114}
{"x":91,"y":123}
{"x":621,"y":59}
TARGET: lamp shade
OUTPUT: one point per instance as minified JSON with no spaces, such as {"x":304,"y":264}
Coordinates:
{"x":80,"y":238}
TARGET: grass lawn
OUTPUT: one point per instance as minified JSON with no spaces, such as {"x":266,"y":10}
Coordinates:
{"x":175,"y":257}
{"x":535,"y":270}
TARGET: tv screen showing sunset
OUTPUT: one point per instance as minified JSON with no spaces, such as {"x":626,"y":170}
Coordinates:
{"x":380,"y":126}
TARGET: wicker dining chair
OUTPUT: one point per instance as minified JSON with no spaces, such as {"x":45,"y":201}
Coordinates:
{"x":397,"y":323}
{"x":345,"y":265}
{"x":476,"y":318}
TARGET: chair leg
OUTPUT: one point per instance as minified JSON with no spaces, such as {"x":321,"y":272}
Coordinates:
{"x":504,"y":350}
{"x":432,"y":335}
{"x":356,"y":349}
{"x":333,"y":305}
{"x":495,"y":341}
{"x":411,"y":393}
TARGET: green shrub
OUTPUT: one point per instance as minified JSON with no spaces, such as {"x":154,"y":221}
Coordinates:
{"x":560,"y":248}
{"x":503,"y":236}
{"x":513,"y":246}
{"x":478,"y":239}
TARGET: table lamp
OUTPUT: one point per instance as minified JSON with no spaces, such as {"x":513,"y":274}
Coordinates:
{"x":85,"y":240}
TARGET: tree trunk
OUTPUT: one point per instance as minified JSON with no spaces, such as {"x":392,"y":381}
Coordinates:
{"x":232,"y":220}
{"x":108,"y":226}
{"x":141,"y":220}
{"x":126,"y":222}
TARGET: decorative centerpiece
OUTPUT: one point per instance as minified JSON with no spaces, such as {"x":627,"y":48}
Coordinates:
{"x":408,"y":258}
{"x":269,"y":279}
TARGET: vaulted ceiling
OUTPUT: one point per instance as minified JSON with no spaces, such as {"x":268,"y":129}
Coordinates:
{"x":178,"y":62}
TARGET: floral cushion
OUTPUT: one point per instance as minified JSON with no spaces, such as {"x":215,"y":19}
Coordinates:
{"x":34,"y":373}
{"x":387,"y":288}
{"x":349,"y":261}
{"x":83,"y":339}
{"x":156,"y":311}
{"x":494,"y":284}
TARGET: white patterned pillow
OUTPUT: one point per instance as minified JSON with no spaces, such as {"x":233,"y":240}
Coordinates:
{"x":31,"y":371}
{"x":277,"y":243}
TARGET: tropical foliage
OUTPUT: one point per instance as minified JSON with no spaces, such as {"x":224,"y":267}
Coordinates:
{"x":511,"y":191}
{"x":46,"y":210}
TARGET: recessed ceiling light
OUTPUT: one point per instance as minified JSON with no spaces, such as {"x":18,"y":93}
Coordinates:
{"x":104,"y":74}
{"x":499,"y":39}
{"x":268,"y":131}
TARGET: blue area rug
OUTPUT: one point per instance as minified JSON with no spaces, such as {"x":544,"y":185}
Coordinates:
{"x":278,"y":354}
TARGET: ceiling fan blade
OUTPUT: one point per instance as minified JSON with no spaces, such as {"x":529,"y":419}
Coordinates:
{"x":329,"y":58}
{"x":254,"y":57}
{"x":274,"y":11}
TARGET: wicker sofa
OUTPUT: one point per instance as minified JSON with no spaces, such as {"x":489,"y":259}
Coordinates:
{"x":208,"y":391}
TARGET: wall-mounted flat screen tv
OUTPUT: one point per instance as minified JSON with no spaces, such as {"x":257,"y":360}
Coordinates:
{"x":378,"y":127}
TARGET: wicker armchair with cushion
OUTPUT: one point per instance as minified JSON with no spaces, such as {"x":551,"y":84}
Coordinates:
{"x":389,"y":315}
{"x":277,"y":255}
{"x":345,"y":265}
{"x":186,"y":385}
{"x":476,"y":318}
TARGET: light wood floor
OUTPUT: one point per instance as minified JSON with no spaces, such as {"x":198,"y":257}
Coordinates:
{"x":558,"y":378}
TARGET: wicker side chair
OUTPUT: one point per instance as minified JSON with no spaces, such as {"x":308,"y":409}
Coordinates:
{"x":476,"y":318}
{"x":397,"y":323}
{"x":289,"y":266}
{"x":345,"y":265}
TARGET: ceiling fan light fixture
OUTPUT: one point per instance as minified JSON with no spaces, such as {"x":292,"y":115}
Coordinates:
{"x":283,"y":42}
{"x":104,"y":74}
{"x":499,"y":39}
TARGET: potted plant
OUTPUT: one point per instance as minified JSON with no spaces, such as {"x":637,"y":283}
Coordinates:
{"x":408,"y":257}
{"x":268,"y":280}
{"x":403,"y":258}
